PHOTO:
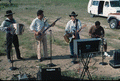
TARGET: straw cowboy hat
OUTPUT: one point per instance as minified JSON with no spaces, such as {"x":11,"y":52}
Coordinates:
{"x":73,"y":14}
{"x":9,"y":12}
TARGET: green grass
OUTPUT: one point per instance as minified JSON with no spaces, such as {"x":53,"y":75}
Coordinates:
{"x":2,"y":44}
{"x":61,"y":27}
{"x":59,"y":42}
{"x":1,"y":69}
{"x":6,"y":5}
{"x":119,"y":38}
{"x":101,"y":77}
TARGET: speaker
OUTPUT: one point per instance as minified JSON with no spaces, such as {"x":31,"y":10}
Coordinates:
{"x":49,"y":74}
{"x":116,"y":55}
{"x":116,"y":59}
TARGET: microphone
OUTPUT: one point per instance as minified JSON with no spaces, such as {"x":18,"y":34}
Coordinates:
{"x":102,"y":32}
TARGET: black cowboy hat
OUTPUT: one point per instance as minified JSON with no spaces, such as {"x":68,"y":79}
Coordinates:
{"x":9,"y":12}
{"x":73,"y":14}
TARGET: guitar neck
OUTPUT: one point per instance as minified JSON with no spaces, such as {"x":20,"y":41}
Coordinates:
{"x":46,"y":29}
{"x":51,"y":25}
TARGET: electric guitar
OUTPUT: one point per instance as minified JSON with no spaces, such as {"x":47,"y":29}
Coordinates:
{"x":40,"y":36}
{"x":70,"y":36}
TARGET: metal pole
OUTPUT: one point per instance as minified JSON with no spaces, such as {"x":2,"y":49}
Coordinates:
{"x":102,"y":63}
{"x":51,"y":64}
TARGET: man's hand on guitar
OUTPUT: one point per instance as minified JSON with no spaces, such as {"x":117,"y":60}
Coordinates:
{"x":53,"y":24}
{"x":35,"y":33}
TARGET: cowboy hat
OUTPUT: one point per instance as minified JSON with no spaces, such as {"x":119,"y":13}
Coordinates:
{"x":9,"y":12}
{"x":73,"y":14}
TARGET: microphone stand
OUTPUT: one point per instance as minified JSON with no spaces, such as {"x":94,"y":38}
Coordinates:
{"x":102,"y":63}
{"x":51,"y":64}
{"x":12,"y":68}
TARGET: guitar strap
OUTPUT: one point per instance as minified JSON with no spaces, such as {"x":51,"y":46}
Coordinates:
{"x":76,"y":24}
{"x":11,"y":21}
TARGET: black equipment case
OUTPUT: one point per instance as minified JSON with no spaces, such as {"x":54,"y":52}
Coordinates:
{"x":49,"y":74}
{"x":115,"y":63}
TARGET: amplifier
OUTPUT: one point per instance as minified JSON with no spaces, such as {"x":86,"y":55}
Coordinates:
{"x":116,"y":55}
{"x":49,"y":74}
{"x":115,"y":63}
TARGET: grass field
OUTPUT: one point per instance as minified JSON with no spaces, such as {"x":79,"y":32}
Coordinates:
{"x":25,"y":12}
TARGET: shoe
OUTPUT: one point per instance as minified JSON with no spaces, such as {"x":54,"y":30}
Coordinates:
{"x":48,"y":58}
{"x":40,"y":60}
{"x":9,"y":60}
{"x":21,"y":58}
{"x":106,"y":54}
{"x":71,"y":56}
{"x":74,"y":62}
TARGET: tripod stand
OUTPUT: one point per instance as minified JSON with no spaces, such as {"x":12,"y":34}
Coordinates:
{"x":85,"y":64}
{"x":51,"y":64}
{"x":102,"y":63}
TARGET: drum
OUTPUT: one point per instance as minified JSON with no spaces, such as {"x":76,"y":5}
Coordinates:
{"x":19,"y":28}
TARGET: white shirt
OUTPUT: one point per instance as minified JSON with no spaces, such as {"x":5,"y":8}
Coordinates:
{"x":71,"y":27}
{"x":38,"y":24}
{"x":5,"y":24}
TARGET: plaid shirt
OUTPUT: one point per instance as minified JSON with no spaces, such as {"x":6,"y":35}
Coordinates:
{"x":5,"y":24}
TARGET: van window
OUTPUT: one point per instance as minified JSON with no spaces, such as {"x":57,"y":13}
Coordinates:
{"x":115,"y":3}
{"x":107,"y":4}
{"x":95,"y":3}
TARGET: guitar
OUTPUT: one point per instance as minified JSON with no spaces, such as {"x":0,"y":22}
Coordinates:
{"x":40,"y":36}
{"x":70,"y":36}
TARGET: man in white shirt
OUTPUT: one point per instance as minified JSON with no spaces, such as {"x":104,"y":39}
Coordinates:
{"x":36,"y":26}
{"x":74,"y":25}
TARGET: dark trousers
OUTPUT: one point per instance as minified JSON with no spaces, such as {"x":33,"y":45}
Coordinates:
{"x":12,"y":39}
{"x":71,"y":44}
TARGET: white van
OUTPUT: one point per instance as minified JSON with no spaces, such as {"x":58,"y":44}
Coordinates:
{"x":103,"y":7}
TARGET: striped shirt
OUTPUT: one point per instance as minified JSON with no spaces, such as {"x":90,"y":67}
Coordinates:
{"x":6,"y":23}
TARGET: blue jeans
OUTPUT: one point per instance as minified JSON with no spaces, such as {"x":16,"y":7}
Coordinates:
{"x":72,"y":46}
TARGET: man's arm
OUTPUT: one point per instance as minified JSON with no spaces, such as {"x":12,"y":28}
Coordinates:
{"x":32,"y":27}
{"x":3,"y":26}
{"x":91,"y":32}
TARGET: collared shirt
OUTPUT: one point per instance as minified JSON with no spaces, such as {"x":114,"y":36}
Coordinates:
{"x":5,"y":24}
{"x":38,"y":24}
{"x":71,"y":26}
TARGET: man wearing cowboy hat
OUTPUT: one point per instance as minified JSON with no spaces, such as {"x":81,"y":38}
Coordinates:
{"x":72,"y":26}
{"x":10,"y":36}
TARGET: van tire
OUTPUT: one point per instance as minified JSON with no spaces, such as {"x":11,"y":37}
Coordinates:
{"x":113,"y":24}
{"x":92,"y":15}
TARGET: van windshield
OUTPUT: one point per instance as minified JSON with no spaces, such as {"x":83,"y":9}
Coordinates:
{"x":115,"y":3}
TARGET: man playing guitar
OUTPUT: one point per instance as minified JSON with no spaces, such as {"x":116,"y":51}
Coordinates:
{"x":73,"y":28}
{"x":38,"y":26}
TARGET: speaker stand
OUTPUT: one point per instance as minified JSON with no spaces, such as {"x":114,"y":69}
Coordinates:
{"x":13,"y":68}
